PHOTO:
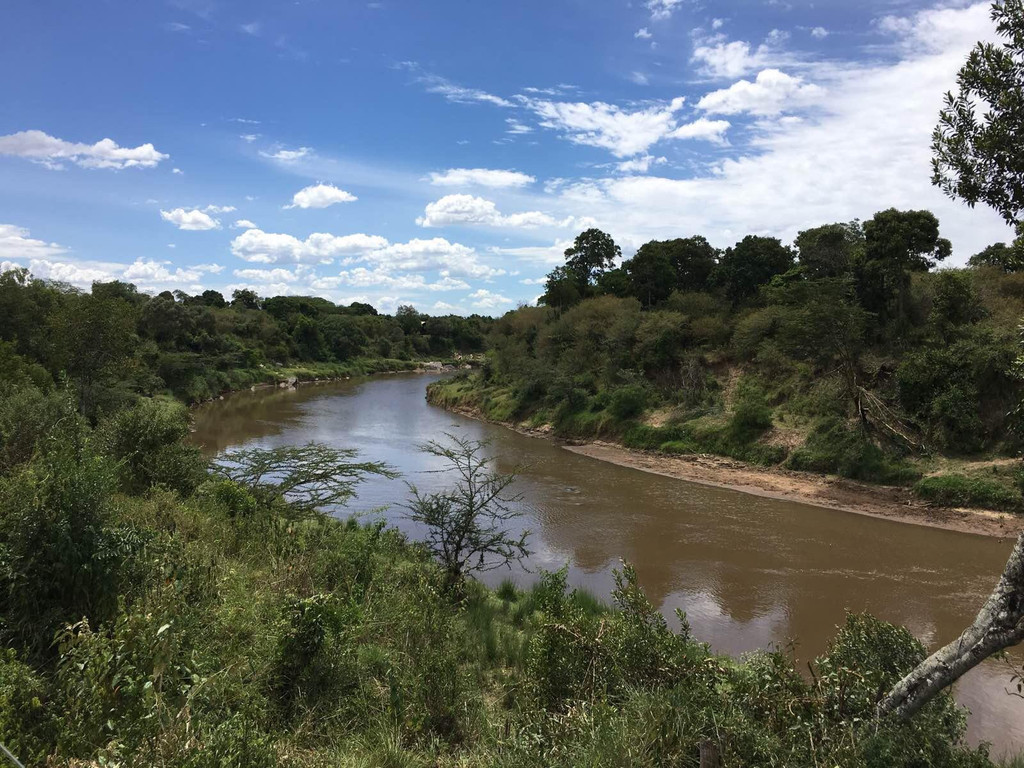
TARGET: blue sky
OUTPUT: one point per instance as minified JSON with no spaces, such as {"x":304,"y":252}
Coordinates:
{"x":444,"y":153}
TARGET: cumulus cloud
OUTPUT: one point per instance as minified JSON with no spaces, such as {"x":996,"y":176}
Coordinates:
{"x":864,"y":148}
{"x":770,"y":93}
{"x":662,"y":9}
{"x":16,"y":243}
{"x":219,"y":209}
{"x":361,"y":277}
{"x":255,"y":245}
{"x":702,"y":128}
{"x":481,"y":177}
{"x":484,"y":299}
{"x":192,"y":220}
{"x":642,"y":34}
{"x":40,"y":147}
{"x":471,"y":210}
{"x":320,"y":196}
{"x":243,"y":224}
{"x":719,"y":58}
{"x":434,"y":254}
{"x":641,"y":164}
{"x":288,"y":155}
{"x":149,"y":273}
{"x":819,"y":33}
{"x":607,"y":126}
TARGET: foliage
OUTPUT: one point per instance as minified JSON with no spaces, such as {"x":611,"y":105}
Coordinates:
{"x":957,"y":490}
{"x":468,"y":524}
{"x":836,"y":447}
{"x":975,"y":145}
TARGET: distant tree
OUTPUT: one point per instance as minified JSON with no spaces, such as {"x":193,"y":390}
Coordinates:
{"x":693,"y":259}
{"x":830,"y":250}
{"x":468,"y":524}
{"x":409,"y":319}
{"x":213,"y":299}
{"x":245,"y":299}
{"x":614,"y":282}
{"x":360,"y":308}
{"x":976,"y":146}
{"x":751,"y":263}
{"x":1008,"y":258}
{"x":561,"y":290}
{"x":591,"y":254}
{"x":652,"y":277}
{"x":116,"y":289}
{"x":897,"y":243}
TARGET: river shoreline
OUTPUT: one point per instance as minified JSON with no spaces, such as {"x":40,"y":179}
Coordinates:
{"x":826,"y":491}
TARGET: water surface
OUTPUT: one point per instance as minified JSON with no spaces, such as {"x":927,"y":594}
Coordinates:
{"x":748,"y":571}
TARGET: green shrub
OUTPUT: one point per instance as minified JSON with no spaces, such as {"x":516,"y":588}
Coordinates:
{"x":628,"y":402}
{"x":834,"y":447}
{"x":956,"y":490}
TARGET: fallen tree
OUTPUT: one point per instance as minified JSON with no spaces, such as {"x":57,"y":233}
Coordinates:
{"x":999,"y":625}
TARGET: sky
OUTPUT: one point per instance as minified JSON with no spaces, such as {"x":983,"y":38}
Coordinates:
{"x":444,"y":153}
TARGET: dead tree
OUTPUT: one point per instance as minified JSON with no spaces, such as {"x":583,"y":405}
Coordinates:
{"x":999,"y":625}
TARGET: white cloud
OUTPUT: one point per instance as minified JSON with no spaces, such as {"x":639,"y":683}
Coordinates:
{"x":15,"y":243}
{"x":481,"y":177}
{"x":639,"y":78}
{"x":819,"y":32}
{"x":641,"y":164}
{"x":249,"y":137}
{"x":702,"y":128}
{"x":288,"y":155}
{"x":243,"y":224}
{"x":517,"y":128}
{"x":662,"y":9}
{"x":534,"y":281}
{"x":770,"y":93}
{"x":219,"y":209}
{"x":437,"y":253}
{"x":717,"y":23}
{"x":191,"y":220}
{"x":149,"y":273}
{"x":320,"y":196}
{"x":52,"y":152}
{"x":177,"y":171}
{"x":252,"y":28}
{"x":642,"y":34}
{"x":361,"y":277}
{"x":864,"y":148}
{"x":452,"y":91}
{"x":546,"y":255}
{"x":484,"y":299}
{"x":277,"y":275}
{"x":721,"y":59}
{"x":468,"y":209}
{"x":607,"y":126}
{"x":82,"y":275}
{"x":255,"y":245}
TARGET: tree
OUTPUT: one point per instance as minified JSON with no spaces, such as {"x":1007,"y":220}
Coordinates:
{"x":308,"y":477}
{"x":976,"y":144}
{"x":246,"y":299}
{"x":751,"y":263}
{"x":467,"y":525}
{"x":897,"y":243}
{"x":591,"y":254}
{"x":830,"y":250}
{"x":1008,"y":258}
{"x":561,"y":290}
{"x":694,"y":260}
{"x":651,"y":275}
{"x":999,"y":625}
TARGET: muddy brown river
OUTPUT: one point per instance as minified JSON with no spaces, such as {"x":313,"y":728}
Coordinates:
{"x":748,"y":571}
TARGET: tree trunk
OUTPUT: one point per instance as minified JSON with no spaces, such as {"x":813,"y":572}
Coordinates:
{"x":999,"y":625}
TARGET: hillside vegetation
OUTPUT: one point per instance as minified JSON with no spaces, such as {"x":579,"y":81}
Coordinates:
{"x":848,"y":353}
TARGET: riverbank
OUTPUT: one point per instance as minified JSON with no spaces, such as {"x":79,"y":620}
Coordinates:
{"x":828,"y":491}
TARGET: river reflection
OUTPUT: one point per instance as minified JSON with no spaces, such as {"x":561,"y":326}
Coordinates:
{"x":748,"y":571}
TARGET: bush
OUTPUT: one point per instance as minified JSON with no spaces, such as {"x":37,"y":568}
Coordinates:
{"x":834,"y":447}
{"x":628,"y":402}
{"x":148,"y":442}
{"x":955,"y":490}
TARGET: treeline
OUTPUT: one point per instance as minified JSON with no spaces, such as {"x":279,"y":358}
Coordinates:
{"x":846,"y":352}
{"x":115,"y":342}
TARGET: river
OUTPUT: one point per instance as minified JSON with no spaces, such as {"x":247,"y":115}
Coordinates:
{"x":748,"y":571}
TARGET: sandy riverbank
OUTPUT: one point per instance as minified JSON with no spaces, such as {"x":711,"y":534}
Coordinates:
{"x":889,"y":502}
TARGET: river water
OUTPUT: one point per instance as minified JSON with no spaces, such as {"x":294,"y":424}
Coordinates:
{"x":748,"y":571}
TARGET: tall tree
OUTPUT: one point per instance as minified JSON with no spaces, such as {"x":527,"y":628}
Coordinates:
{"x":830,"y":250}
{"x":651,"y":275}
{"x":897,"y":243}
{"x":694,"y":260}
{"x":591,"y":254}
{"x":976,"y":146}
{"x":751,"y":263}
